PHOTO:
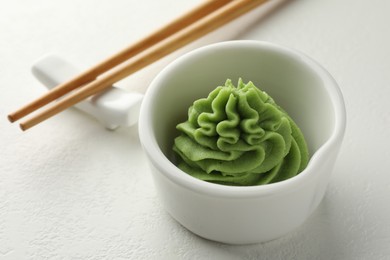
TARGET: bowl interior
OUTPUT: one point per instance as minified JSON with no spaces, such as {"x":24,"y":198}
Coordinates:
{"x":286,"y":76}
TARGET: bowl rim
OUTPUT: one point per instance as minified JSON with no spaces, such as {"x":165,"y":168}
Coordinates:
{"x":169,"y":170}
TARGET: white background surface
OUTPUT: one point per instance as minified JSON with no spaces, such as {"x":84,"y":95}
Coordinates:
{"x":69,"y":189}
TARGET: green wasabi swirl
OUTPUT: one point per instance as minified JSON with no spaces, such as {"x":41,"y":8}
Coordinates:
{"x":239,"y":136}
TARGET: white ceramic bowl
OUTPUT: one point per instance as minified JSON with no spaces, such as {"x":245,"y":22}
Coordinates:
{"x":241,"y":215}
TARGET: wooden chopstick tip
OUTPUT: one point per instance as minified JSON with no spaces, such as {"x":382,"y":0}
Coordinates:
{"x":23,"y":127}
{"x":11,"y":118}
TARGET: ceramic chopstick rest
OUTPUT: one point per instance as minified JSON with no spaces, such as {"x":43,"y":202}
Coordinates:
{"x":113,"y":107}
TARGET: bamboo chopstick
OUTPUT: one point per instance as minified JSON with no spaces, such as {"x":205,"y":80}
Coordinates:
{"x":194,"y":31}
{"x":91,"y":74}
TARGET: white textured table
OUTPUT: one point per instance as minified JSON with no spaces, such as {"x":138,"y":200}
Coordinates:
{"x":69,"y":189}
